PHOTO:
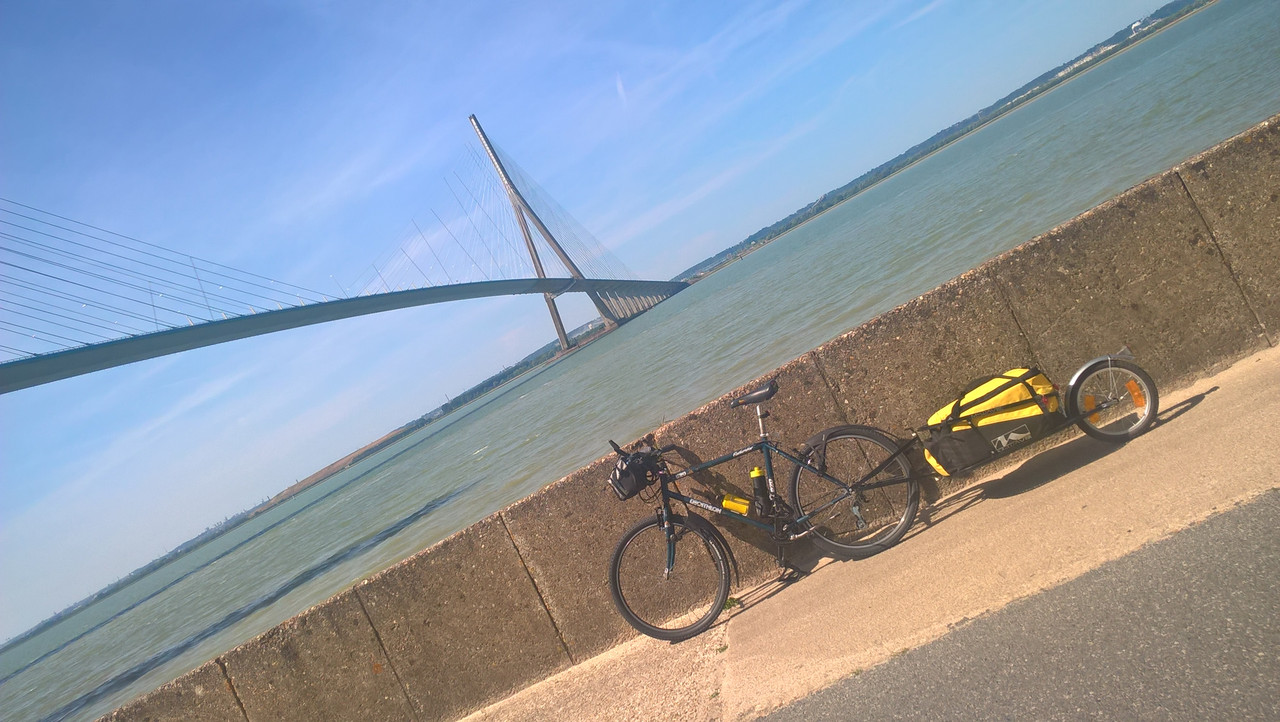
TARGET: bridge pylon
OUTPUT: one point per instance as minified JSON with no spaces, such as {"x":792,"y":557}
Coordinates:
{"x":524,"y":216}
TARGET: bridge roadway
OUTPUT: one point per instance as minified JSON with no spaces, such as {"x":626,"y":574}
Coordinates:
{"x":46,"y":368}
{"x":1002,"y":606}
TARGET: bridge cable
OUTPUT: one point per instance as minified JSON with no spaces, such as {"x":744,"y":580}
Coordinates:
{"x":433,"y":251}
{"x":145,"y":243}
{"x":120,"y":269}
{"x":464,"y":250}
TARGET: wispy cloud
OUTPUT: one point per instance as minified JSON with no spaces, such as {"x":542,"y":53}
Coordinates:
{"x":679,"y":202}
{"x":335,"y":182}
{"x":920,"y":13}
{"x":705,"y":108}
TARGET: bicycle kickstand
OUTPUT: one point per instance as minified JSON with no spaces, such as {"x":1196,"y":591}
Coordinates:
{"x":789,"y":573}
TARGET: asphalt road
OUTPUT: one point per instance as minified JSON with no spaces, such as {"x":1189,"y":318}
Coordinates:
{"x":1187,"y":628}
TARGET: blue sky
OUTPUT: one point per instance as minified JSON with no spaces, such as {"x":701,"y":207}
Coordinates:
{"x":299,"y":140}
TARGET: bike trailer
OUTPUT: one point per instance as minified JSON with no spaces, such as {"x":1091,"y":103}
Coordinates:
{"x":991,"y":415}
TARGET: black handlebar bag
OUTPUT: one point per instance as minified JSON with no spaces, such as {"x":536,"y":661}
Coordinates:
{"x":991,"y":416}
{"x":630,"y":476}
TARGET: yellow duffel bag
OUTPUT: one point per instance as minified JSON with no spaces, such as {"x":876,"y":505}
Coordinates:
{"x":991,"y":416}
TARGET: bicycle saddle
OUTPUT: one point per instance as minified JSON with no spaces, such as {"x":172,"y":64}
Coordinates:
{"x":764,"y":393}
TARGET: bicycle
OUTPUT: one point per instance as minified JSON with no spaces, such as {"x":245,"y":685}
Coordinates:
{"x":669,"y":574}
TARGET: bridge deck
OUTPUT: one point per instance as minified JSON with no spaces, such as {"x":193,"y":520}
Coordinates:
{"x":45,"y":368}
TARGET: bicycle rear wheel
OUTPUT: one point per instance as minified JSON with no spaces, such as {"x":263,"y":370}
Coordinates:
{"x":860,"y":523}
{"x":1124,"y":396}
{"x":672,"y":602}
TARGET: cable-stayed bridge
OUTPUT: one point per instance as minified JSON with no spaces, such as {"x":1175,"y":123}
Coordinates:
{"x":76,"y":298}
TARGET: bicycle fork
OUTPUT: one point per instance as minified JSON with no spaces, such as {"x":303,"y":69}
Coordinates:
{"x":664,"y":517}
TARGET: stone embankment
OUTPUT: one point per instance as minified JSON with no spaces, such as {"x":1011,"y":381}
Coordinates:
{"x":1183,"y":268}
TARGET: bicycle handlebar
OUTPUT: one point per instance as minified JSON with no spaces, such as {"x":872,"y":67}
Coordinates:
{"x":644,"y":451}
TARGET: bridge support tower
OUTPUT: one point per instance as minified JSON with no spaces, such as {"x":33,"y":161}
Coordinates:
{"x":526,"y":215}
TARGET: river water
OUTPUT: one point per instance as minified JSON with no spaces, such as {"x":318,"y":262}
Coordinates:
{"x":1207,"y":78}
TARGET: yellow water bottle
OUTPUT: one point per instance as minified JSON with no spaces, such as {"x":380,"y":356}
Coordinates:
{"x":735,"y":503}
{"x":764,"y":505}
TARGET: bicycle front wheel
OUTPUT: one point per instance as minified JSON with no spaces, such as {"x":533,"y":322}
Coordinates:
{"x":670,"y":586}
{"x":855,"y":523}
{"x":1121,"y":395}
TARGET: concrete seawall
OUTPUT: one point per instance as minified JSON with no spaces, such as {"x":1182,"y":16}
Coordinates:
{"x":1184,"y":268}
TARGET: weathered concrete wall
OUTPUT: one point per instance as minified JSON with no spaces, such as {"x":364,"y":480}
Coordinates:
{"x":324,"y":664}
{"x":1235,"y":188}
{"x":463,"y":622}
{"x":1183,"y":268}
{"x":201,"y":695}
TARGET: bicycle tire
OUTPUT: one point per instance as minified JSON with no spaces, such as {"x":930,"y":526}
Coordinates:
{"x":1114,"y":381}
{"x":873,"y":520}
{"x":673,"y":606}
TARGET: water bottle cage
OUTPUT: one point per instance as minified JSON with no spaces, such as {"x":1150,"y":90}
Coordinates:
{"x":774,"y":508}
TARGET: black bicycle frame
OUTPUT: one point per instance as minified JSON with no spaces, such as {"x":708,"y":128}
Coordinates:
{"x":768,"y":448}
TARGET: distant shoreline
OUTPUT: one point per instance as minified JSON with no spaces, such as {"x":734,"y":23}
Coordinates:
{"x":918,"y":153}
